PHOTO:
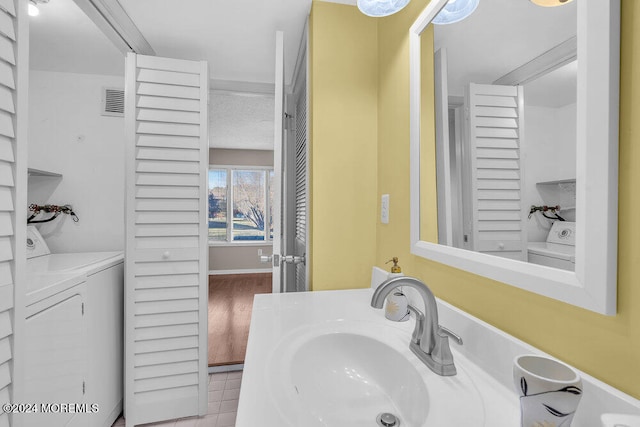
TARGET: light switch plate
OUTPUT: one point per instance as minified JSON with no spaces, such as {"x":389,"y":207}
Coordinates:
{"x":384,"y":209}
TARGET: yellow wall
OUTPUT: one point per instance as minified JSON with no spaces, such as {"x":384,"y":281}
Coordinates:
{"x":349,"y":81}
{"x":605,"y":347}
{"x":344,"y":160}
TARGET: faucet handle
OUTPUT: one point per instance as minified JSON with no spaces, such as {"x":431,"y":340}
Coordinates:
{"x":447,"y":331}
{"x":417,"y":331}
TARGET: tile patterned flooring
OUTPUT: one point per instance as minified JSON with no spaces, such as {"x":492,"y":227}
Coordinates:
{"x":224,"y":390}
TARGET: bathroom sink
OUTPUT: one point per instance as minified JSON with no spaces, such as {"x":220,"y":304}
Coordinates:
{"x":329,"y":359}
{"x":349,"y":373}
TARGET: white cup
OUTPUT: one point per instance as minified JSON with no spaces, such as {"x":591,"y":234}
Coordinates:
{"x":549,"y":391}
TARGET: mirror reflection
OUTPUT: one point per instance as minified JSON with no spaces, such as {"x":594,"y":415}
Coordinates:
{"x":505,"y":125}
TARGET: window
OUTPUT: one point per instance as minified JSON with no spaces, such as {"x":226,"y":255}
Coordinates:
{"x":240,"y":200}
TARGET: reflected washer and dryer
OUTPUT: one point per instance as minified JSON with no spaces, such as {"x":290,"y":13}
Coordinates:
{"x":559,"y":250}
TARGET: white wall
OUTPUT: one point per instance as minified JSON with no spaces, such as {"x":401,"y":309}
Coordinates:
{"x":550,"y":154}
{"x":68,"y":135}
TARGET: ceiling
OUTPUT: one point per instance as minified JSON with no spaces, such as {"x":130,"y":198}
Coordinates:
{"x":236,"y":37}
{"x":502,"y":35}
{"x":241,"y":120}
{"x":62,"y":38}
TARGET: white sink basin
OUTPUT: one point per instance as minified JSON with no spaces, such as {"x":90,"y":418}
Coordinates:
{"x":347,"y":373}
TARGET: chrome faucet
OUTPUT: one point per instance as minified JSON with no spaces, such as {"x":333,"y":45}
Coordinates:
{"x":430,"y":341}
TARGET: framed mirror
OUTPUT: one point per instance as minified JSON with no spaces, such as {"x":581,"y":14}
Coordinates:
{"x":514,"y":145}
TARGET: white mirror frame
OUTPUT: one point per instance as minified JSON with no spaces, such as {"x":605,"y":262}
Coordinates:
{"x":593,"y":285}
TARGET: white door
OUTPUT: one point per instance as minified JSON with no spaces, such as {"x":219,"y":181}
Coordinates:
{"x":166,"y":283}
{"x":443,"y":170}
{"x":297,"y":185}
{"x":14,"y":74}
{"x":278,"y":165}
{"x":290,"y":241}
{"x":495,"y":156}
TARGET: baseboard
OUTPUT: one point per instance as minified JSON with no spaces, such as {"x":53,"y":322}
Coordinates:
{"x":245,"y":271}
{"x":226,"y":368}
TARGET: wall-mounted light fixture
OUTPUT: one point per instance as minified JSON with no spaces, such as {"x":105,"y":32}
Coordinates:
{"x":33,"y":7}
{"x":455,"y":10}
{"x":550,"y":3}
{"x":380,"y":8}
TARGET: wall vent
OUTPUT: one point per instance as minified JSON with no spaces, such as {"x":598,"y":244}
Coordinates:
{"x":112,"y":102}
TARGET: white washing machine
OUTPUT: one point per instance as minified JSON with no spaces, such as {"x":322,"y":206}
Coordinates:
{"x":559,"y":250}
{"x":74,"y":312}
{"x":41,"y":260}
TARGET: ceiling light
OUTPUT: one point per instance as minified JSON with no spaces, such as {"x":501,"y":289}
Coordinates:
{"x":380,"y":8}
{"x":550,"y":3}
{"x":33,"y":9}
{"x":456,"y":10}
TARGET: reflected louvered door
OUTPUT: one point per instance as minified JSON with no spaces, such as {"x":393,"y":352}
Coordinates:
{"x":166,"y":285}
{"x":301,"y":184}
{"x":12,"y":160}
{"x":495,"y":136}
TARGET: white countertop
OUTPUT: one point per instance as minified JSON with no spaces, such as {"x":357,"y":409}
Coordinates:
{"x":486,"y":357}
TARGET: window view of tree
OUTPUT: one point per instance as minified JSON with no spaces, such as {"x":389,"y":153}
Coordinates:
{"x":249,"y":204}
{"x":218,"y":204}
{"x":271,"y":204}
{"x":246,"y":196}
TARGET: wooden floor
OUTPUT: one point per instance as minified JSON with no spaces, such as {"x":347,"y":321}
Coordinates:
{"x":230,"y":304}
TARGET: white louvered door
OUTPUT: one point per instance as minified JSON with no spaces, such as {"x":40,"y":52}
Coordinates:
{"x":278,"y":168}
{"x":13,"y":177}
{"x":495,"y":156}
{"x":166,"y":286}
{"x":301,"y":179}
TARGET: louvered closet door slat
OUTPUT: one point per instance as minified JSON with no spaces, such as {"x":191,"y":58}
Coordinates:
{"x":9,"y":156}
{"x":166,"y":356}
{"x":169,"y":116}
{"x":7,"y":103}
{"x":169,"y":64}
{"x":148,"y":320}
{"x":174,"y":104}
{"x":153,"y":230}
{"x":6,"y":125}
{"x":154,"y":282}
{"x":157,"y":153}
{"x":178,"y":129}
{"x":7,"y":52}
{"x":169,"y":91}
{"x":167,"y":167}
{"x":6,"y":25}
{"x":6,"y":174}
{"x":168,"y":77}
{"x":168,"y":141}
{"x":167,"y":250}
{"x":6,"y":150}
{"x":496,"y":145}
{"x":8,"y":6}
{"x":167,"y":180}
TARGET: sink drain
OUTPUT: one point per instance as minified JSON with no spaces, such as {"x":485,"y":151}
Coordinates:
{"x":387,"y":420}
